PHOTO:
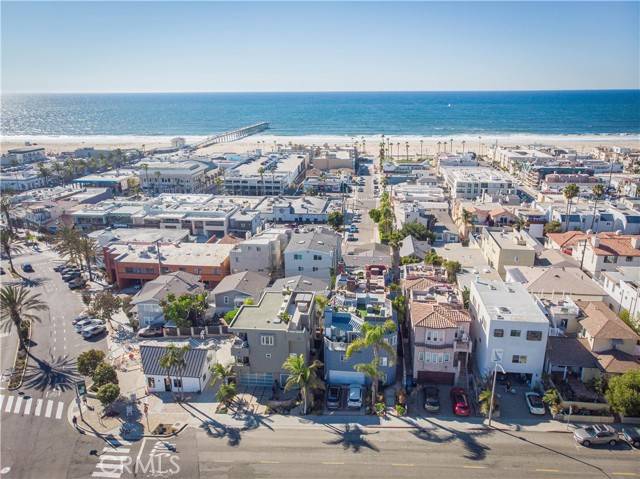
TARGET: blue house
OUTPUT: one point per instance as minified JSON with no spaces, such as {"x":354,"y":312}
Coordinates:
{"x":342,"y":327}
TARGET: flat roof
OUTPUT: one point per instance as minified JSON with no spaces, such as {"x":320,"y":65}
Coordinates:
{"x":508,"y":302}
{"x":192,"y":254}
{"x":508,"y":240}
{"x":262,"y":314}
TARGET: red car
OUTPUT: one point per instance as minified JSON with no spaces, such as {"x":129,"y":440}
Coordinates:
{"x":460,"y":402}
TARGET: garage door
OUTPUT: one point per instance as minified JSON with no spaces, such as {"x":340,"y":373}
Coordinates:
{"x":346,"y":377}
{"x":256,"y":379}
{"x":436,"y":377}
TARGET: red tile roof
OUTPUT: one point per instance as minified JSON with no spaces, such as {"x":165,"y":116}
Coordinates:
{"x":615,"y":246}
{"x":433,"y":316}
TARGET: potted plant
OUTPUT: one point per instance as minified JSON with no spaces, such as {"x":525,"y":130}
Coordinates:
{"x":381,"y":408}
{"x":552,"y":399}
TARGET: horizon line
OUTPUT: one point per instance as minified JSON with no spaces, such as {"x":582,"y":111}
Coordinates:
{"x":316,"y":91}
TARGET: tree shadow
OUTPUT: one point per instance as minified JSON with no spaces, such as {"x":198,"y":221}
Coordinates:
{"x":59,"y":373}
{"x":33,"y":282}
{"x":217,"y":430}
{"x":351,"y":438}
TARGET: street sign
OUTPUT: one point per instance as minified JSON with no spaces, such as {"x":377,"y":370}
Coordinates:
{"x":81,"y":388}
{"x":496,"y":355}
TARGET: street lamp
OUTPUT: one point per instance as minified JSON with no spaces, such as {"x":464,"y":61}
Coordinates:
{"x":421,"y":142}
{"x":493,"y":388}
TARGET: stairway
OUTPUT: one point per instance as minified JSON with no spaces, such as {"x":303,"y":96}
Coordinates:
{"x":463,"y":379}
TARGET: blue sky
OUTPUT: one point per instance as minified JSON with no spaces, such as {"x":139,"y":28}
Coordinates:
{"x":318,"y":46}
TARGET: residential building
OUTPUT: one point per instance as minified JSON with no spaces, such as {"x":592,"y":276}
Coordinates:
{"x":137,"y":263}
{"x":298,"y":209}
{"x":406,"y":193}
{"x":598,"y":253}
{"x":414,"y":249}
{"x":342,"y":327}
{"x":23,"y":155}
{"x":147,"y":300}
{"x":302,"y":283}
{"x":263,"y":253}
{"x":623,"y":289}
{"x":473,"y":182}
{"x":313,"y":253}
{"x":277,"y":326}
{"x":20,"y":180}
{"x":193,"y":378}
{"x":358,"y":256}
{"x":235,"y":289}
{"x":502,"y":248}
{"x":508,"y":328}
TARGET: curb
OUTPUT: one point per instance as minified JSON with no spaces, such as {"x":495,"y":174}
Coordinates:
{"x":26,"y":361}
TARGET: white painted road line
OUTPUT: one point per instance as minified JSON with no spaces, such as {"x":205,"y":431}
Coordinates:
{"x":1,"y":400}
{"x":59,"y":411}
{"x":49,"y":409}
{"x":107,"y":474}
{"x":9,"y":404}
{"x":16,"y":410}
{"x":124,"y":450}
{"x":38,"y":407}
{"x":27,"y":406}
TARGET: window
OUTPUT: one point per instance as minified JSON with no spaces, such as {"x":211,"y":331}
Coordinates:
{"x":610,"y":259}
{"x":534,"y":335}
{"x":258,"y":248}
{"x":498,"y":333}
{"x":293,"y":355}
{"x":315,"y":268}
{"x":447,"y":357}
{"x":297,"y":256}
{"x":177,"y":383}
{"x":300,"y":268}
{"x":515,"y":333}
{"x":383,"y":362}
{"x":197,"y":270}
{"x":226,"y":300}
{"x":440,"y":357}
{"x":267,"y":339}
{"x":434,"y":357}
{"x":151,"y":382}
{"x":317,"y":257}
{"x":518,"y":359}
{"x":629,"y":259}
{"x":343,"y":358}
{"x":420,"y":356}
{"x":428,"y":358}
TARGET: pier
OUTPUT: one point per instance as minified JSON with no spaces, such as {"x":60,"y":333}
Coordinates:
{"x":233,"y":135}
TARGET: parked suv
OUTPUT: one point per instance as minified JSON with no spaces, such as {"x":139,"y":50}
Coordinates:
{"x":596,"y":434}
{"x":334,"y":394}
{"x":355,"y":396}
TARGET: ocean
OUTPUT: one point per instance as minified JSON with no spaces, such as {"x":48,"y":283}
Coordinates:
{"x":332,"y":114}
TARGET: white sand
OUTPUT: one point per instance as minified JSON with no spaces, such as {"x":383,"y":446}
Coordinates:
{"x":429,"y":145}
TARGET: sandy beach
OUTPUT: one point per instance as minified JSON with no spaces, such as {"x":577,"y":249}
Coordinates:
{"x":417,"y":145}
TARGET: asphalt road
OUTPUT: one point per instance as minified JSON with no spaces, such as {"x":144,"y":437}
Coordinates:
{"x":35,"y":435}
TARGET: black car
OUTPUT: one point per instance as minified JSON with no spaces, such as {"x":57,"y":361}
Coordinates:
{"x":68,"y":269}
{"x":632,"y":437}
{"x":27,"y":268}
{"x":333,"y":397}
{"x":78,"y":283}
{"x":432,"y":399}
{"x":69,"y":276}
{"x":59,"y":268}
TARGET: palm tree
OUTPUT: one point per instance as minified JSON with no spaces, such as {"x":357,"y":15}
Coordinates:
{"x":570,"y":192}
{"x":395,"y":242}
{"x":157,"y":174}
{"x":466,"y":218}
{"x":92,"y":164}
{"x":261,"y":171}
{"x":372,"y":371}
{"x":57,"y":169}
{"x":451,"y":140}
{"x":598,"y":192}
{"x":88,"y":250}
{"x":10,"y":245}
{"x":520,"y":223}
{"x":374,"y":337}
{"x":421,"y":144}
{"x":43,"y":172}
{"x":399,"y":157}
{"x":303,"y":377}
{"x":6,"y":207}
{"x":145,"y":168}
{"x":67,"y":244}
{"x":222,"y":373}
{"x":439,"y":143}
{"x":406,"y":146}
{"x":463,"y":147}
{"x":17,"y":305}
{"x":174,"y":358}
{"x":226,"y":393}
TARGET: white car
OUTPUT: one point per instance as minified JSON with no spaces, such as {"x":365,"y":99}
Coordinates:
{"x":82,"y":317}
{"x":355,"y":396}
{"x":534,"y":403}
{"x":93,"y":330}
{"x":80,"y":325}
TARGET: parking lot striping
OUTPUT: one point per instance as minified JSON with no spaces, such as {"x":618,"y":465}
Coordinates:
{"x":9,"y":403}
{"x":332,"y":463}
{"x":547,"y":470}
{"x":623,"y":473}
{"x":474,"y":467}
{"x":222,"y":462}
{"x":269,"y":462}
{"x":403,"y":465}
{"x":18,"y":405}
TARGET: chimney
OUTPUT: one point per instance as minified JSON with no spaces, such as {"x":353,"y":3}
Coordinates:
{"x":595,"y":241}
{"x":635,"y":242}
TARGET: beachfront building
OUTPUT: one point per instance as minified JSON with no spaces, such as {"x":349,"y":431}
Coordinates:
{"x":173,"y":177}
{"x":314,"y":253}
{"x":470,"y":183}
{"x":280,"y":171}
{"x":502,"y":248}
{"x":298,"y":209}
{"x":338,"y":158}
{"x":22,"y":156}
{"x":120,"y":182}
{"x":262,"y":253}
{"x":20,"y":180}
{"x":128,"y":264}
{"x":276,"y":327}
{"x":508,"y":328}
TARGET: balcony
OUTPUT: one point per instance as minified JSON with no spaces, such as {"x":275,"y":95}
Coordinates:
{"x":240,"y":349}
{"x":461,"y":345}
{"x":241,"y":363}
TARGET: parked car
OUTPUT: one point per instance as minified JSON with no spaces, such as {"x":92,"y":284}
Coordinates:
{"x":80,"y":317}
{"x":355,"y":396}
{"x":59,"y":268}
{"x":333,"y":397}
{"x":80,"y":325}
{"x":352,"y":237}
{"x":632,"y":436}
{"x":68,"y":269}
{"x":360,"y":189}
{"x":2,"y":271}
{"x":93,"y":330}
{"x":77,"y":283}
{"x":596,"y":434}
{"x":432,"y":399}
{"x":534,"y":403}
{"x":460,"y":402}
{"x":352,"y":229}
{"x":150,"y":332}
{"x":27,"y":268}
{"x":69,"y":276}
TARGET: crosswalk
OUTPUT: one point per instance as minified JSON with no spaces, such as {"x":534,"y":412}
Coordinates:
{"x":26,"y":406}
{"x":114,"y":459}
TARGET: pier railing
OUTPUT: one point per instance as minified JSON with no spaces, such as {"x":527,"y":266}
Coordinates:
{"x":234,"y":134}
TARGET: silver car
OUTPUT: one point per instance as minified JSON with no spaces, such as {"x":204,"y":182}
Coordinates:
{"x":80,"y":325}
{"x":596,"y":434}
